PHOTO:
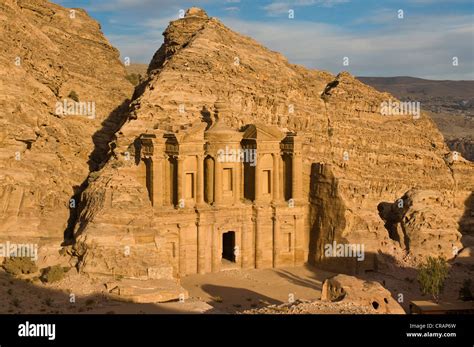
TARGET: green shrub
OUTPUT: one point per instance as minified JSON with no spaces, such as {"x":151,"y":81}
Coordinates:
{"x":53,"y":274}
{"x":19,"y":265}
{"x":133,"y":78}
{"x":432,"y":275}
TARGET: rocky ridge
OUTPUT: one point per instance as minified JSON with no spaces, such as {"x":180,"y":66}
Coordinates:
{"x":52,"y":56}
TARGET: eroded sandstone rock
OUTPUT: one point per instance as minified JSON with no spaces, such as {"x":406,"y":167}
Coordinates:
{"x":423,"y":224}
{"x":150,"y":291}
{"x":360,"y":292}
{"x":48,"y":52}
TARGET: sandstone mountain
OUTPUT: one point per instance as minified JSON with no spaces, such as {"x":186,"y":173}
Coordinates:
{"x":450,"y":103}
{"x":356,"y":161}
{"x":52,"y":55}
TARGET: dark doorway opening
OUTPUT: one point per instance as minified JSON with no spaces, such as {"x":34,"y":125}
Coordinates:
{"x":228,"y":246}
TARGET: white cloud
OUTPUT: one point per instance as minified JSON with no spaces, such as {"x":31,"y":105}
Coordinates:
{"x":415,"y":48}
{"x":279,"y":7}
{"x":232,"y":9}
{"x":420,"y":46}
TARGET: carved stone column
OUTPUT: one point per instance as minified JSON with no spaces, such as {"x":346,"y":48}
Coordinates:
{"x":200,"y":181}
{"x":245,"y":248}
{"x":276,"y":178}
{"x":258,"y":188}
{"x":258,"y":244}
{"x":282,"y":177}
{"x":201,"y":248}
{"x":276,"y":240}
{"x":209,"y":180}
{"x":218,"y":182}
{"x":158,"y":181}
{"x":182,"y":248}
{"x":297,"y":176}
{"x":168,"y":192}
{"x":242,"y":180}
{"x":215,"y":257}
{"x":237,"y":183}
{"x":299,"y":240}
{"x":181,"y":179}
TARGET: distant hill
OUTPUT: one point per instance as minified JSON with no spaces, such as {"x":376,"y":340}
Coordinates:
{"x":451,"y":104}
{"x":405,"y":85}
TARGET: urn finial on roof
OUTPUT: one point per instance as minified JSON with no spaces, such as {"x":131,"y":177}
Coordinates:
{"x":221,"y":109}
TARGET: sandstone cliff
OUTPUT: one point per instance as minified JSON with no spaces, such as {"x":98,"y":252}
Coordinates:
{"x":354,"y":157}
{"x":51,"y":55}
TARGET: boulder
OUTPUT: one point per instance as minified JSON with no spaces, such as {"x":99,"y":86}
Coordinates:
{"x":149,"y":291}
{"x":360,"y":292}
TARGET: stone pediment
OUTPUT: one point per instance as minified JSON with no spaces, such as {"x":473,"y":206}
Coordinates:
{"x":261,"y":132}
{"x":193,"y":134}
{"x":219,"y":131}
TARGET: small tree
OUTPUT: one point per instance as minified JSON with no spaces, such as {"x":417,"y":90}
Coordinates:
{"x":53,"y":273}
{"x":19,"y":265}
{"x":133,"y":78}
{"x":432,"y":275}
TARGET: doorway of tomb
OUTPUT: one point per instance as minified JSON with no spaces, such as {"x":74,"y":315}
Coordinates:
{"x":228,"y":247}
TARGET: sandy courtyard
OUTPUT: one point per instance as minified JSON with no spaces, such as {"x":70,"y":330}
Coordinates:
{"x":228,"y":291}
{"x":236,"y":290}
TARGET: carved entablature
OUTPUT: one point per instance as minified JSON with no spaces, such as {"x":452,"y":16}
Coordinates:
{"x":286,"y":148}
{"x":146,"y":145}
{"x":249,"y":145}
{"x":172,"y":146}
{"x":291,"y":144}
{"x":172,"y":149}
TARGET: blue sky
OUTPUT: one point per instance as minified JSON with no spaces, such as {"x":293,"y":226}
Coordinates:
{"x":369,"y":32}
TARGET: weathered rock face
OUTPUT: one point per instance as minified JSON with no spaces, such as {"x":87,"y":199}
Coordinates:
{"x":354,"y":158}
{"x":150,"y":291}
{"x":50,"y":56}
{"x":423,"y":225}
{"x":365,"y":293}
{"x":450,"y":103}
{"x":373,"y":158}
{"x":465,"y":146}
